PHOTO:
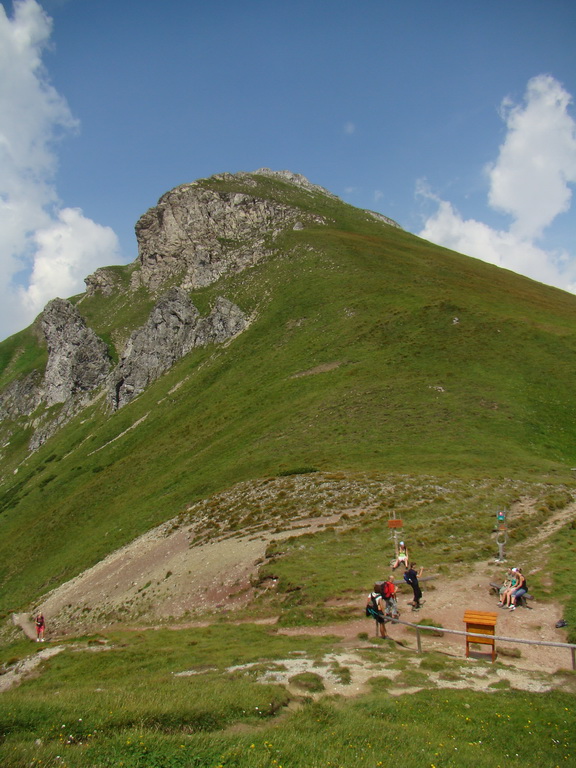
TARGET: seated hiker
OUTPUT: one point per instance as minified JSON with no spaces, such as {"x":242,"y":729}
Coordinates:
{"x":520,"y":591}
{"x":401,"y":557}
{"x":505,"y":585}
{"x":375,"y":608}
{"x":411,"y":576}
{"x":507,"y":594}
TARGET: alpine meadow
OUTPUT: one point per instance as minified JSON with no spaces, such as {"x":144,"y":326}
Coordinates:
{"x":200,"y":458}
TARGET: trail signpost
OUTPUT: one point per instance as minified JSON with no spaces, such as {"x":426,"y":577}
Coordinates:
{"x":501,"y":535}
{"x":394,"y":524}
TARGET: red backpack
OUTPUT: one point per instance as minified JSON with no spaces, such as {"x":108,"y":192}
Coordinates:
{"x":388,"y":589}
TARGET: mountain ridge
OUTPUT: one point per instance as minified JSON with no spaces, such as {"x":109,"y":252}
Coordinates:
{"x":419,"y":361}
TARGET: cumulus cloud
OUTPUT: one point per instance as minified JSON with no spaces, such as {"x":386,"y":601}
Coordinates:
{"x":529,"y":181}
{"x":60,"y":265}
{"x":45,"y":249}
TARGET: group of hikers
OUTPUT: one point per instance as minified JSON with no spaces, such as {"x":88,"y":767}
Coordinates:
{"x":382,"y":603}
{"x":513,"y":589}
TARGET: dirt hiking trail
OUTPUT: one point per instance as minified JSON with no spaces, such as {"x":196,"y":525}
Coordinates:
{"x":163,"y":579}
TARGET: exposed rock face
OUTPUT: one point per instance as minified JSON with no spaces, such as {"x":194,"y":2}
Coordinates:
{"x":21,"y":397}
{"x":173,"y":329}
{"x":198,"y":234}
{"x":78,"y":363}
{"x":78,"y":360}
{"x":103,"y":281}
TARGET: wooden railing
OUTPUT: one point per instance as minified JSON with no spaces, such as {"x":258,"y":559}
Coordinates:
{"x":420,"y":628}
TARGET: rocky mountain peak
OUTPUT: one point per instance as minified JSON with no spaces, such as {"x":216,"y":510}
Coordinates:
{"x":198,"y":233}
{"x":195,"y":234}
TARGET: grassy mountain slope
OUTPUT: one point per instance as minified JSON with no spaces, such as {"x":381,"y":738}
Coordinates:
{"x":370,"y":351}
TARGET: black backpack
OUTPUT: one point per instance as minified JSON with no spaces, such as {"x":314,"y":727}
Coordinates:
{"x":372,"y":609}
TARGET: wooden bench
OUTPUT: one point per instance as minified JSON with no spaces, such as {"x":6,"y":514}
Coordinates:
{"x":495,"y":590}
{"x":480,"y":623}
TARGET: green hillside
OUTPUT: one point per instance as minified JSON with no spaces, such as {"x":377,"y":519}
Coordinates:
{"x":380,"y":375}
{"x":370,"y":351}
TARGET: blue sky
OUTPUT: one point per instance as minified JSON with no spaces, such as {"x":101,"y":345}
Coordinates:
{"x":454,"y":118}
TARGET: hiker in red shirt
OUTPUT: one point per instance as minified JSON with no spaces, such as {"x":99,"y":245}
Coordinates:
{"x":40,"y":627}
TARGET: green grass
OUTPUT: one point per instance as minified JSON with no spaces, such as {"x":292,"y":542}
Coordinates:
{"x":21,"y":353}
{"x":561,"y":565}
{"x":413,"y":393}
{"x":353,"y":389}
{"x":107,"y":688}
{"x":308,"y":681}
{"x":124,"y":705}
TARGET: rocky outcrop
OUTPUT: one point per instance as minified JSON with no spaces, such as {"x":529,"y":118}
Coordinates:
{"x":78,"y":360}
{"x":78,"y":363}
{"x":383,"y":219}
{"x":292,"y":178}
{"x":104,"y":281}
{"x":198,"y":234}
{"x":21,"y":397}
{"x":173,"y":329}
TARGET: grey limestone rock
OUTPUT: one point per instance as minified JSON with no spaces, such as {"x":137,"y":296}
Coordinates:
{"x":198,"y":234}
{"x":173,"y":329}
{"x":21,"y":397}
{"x":194,"y":235}
{"x":78,"y":360}
{"x":103,"y":281}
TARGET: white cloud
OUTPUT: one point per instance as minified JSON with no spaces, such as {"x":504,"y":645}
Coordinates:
{"x":537,"y":160}
{"x":33,"y":116}
{"x":503,"y":248}
{"x":529,"y":181}
{"x":67,"y":250}
{"x":349,"y":129}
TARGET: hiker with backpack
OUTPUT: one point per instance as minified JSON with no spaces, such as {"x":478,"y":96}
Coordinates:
{"x":375,"y":607}
{"x":411,"y":576}
{"x":389,"y":595}
{"x":378,"y":606}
